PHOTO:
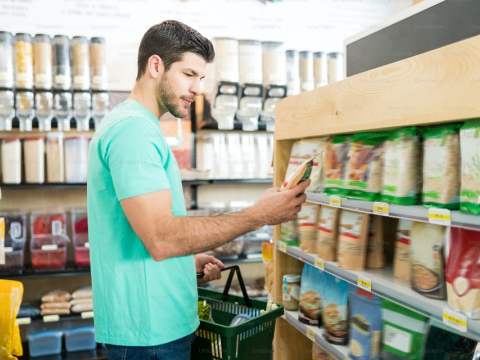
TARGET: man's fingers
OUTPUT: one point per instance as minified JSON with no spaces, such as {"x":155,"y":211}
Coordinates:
{"x":219,"y":263}
{"x":300,"y":188}
{"x":301,"y":199}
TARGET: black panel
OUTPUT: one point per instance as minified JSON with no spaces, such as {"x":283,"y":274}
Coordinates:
{"x":440,"y":25}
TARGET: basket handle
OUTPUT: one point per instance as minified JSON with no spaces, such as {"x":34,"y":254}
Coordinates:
{"x":233,"y":269}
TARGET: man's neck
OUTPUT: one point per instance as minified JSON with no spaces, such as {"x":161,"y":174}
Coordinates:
{"x":146,"y":98}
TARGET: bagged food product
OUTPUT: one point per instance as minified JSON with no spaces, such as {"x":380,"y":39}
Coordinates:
{"x":470,"y":168}
{"x":268,"y":265}
{"x":56,"y":311}
{"x":319,"y":353}
{"x":352,"y":240}
{"x":303,"y":150}
{"x":301,"y":173}
{"x":327,"y":233}
{"x":55,"y":305}
{"x":441,"y":167}
{"x":82,"y":307}
{"x":443,"y":344}
{"x":375,"y":244}
{"x":365,"y":166}
{"x":83,"y":293}
{"x":426,"y":260}
{"x":56,"y":296}
{"x":401,"y":264}
{"x":311,"y":296}
{"x":402,"y":176}
{"x":365,"y":325}
{"x":11,"y":294}
{"x":307,"y":227}
{"x":80,"y":301}
{"x":403,"y":332}
{"x":463,"y":272}
{"x":335,"y":160}
{"x":335,"y":313}
{"x":289,"y":233}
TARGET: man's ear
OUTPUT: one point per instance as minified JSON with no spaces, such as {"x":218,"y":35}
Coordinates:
{"x":155,"y":66}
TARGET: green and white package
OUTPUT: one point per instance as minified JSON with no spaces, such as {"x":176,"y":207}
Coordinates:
{"x":470,"y":171}
{"x":335,"y":161}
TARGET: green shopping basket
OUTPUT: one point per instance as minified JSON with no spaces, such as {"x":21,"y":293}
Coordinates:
{"x":251,"y":340}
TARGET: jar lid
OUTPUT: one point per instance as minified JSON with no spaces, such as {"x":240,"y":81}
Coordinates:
{"x":77,"y":138}
{"x":55,"y":135}
{"x":291,"y":279}
{"x":97,"y":40}
{"x":34,"y":138}
{"x":11,"y":138}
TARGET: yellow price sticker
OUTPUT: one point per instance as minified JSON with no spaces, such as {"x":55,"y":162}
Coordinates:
{"x":87,"y":314}
{"x":335,"y":201}
{"x":24,"y":321}
{"x":439,"y":216}
{"x":319,"y":263}
{"x":311,"y":335}
{"x":380,"y":208}
{"x":282,"y":246}
{"x":51,"y":318}
{"x":455,"y":320}
{"x":364,"y":283}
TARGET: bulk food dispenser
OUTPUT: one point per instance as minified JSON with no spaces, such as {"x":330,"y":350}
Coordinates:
{"x":100,"y":105}
{"x":7,"y":100}
{"x":274,"y":79}
{"x":225,"y":102}
{"x":251,"y":88}
{"x":24,"y":105}
{"x":42,"y":60}
{"x":293,"y":72}
{"x":82,"y":105}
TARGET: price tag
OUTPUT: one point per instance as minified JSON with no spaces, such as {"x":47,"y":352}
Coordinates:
{"x":24,"y":321}
{"x":282,"y":246}
{"x":60,"y":79}
{"x":8,"y":249}
{"x":57,"y":227}
{"x":49,"y":247}
{"x":87,"y":245}
{"x":380,"y":208}
{"x":311,"y":335}
{"x":455,"y":320}
{"x":51,"y":318}
{"x":335,"y":201}
{"x":439,"y":216}
{"x":319,"y":263}
{"x":79,"y":79}
{"x":87,"y":314}
{"x":287,"y":297}
{"x":364,"y":283}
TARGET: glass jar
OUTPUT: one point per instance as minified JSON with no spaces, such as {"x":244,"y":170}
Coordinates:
{"x":82,"y":105}
{"x":335,"y":67}
{"x":226,"y":59}
{"x":76,"y":159}
{"x":274,"y":63}
{"x":34,"y":154}
{"x":250,"y":61}
{"x":62,"y":75}
{"x":293,"y":72}
{"x":98,"y":63}
{"x":55,"y":158}
{"x":63,"y":110}
{"x":81,"y":63}
{"x":101,"y":106}
{"x":306,"y":70}
{"x":24,"y":109}
{"x":6,"y":59}
{"x":320,"y":68}
{"x":42,"y":60}
{"x":11,"y":160}
{"x":23,"y":61}
{"x":7,"y":109}
{"x":44,"y":109}
{"x":291,"y":292}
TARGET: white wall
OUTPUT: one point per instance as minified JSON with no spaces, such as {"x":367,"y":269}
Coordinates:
{"x":317,"y":25}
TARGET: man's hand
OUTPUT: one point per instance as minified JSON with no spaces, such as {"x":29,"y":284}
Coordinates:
{"x":276,"y":207}
{"x":210,"y":266}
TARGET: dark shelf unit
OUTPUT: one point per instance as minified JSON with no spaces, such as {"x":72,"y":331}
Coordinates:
{"x":97,"y":354}
{"x":237,"y":126}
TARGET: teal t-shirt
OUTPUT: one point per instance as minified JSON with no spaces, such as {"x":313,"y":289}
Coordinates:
{"x":136,"y":300}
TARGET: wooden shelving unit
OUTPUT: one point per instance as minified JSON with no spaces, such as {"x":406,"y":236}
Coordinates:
{"x":432,"y":88}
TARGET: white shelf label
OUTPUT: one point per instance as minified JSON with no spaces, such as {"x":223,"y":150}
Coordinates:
{"x":286,"y":297}
{"x":49,"y":247}
{"x":439,"y":216}
{"x":380,"y":208}
{"x":24,"y":321}
{"x":87,"y":245}
{"x":311,"y":334}
{"x":51,"y":318}
{"x":282,"y":246}
{"x":455,"y":320}
{"x":87,"y":314}
{"x":397,"y":339}
{"x":8,"y":249}
{"x":335,"y":201}
{"x":319,"y":263}
{"x":364,"y":283}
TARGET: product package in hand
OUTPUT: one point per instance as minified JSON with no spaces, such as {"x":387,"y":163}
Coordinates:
{"x":300,"y":174}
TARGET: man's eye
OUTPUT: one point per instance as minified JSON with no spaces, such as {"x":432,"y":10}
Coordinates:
{"x":189,"y":75}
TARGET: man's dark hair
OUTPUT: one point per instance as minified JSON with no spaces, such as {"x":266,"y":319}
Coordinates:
{"x":170,"y":40}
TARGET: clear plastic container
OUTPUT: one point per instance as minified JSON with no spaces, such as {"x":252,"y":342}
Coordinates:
{"x":235,"y":156}
{"x":255,"y":239}
{"x":248,"y":155}
{"x":6,"y":60}
{"x":80,"y":338}
{"x":55,"y":158}
{"x":335,"y":67}
{"x":62,"y":74}
{"x":25,"y":109}
{"x":80,"y":237}
{"x":15,"y":230}
{"x":226,"y":59}
{"x":81,"y":63}
{"x":274,"y":63}
{"x":320,"y":69}
{"x":11,"y":160}
{"x":293,"y":72}
{"x":82,"y":109}
{"x":49,"y":252}
{"x":14,"y":262}
{"x":43,"y":223}
{"x":34,"y":155}
{"x":100,"y":106}
{"x":44,"y":109}
{"x":42,"y":59}
{"x":63,"y":110}
{"x":7,"y":109}
{"x":76,"y":159}
{"x":250,"y":62}
{"x":98,"y":63}
{"x":220,"y":170}
{"x":306,"y":70}
{"x":23,"y":61}
{"x":42,"y":343}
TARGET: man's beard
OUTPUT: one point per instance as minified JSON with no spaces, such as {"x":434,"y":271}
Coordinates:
{"x":169,"y":99}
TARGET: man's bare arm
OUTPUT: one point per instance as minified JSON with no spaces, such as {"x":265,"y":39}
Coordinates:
{"x":166,"y":236}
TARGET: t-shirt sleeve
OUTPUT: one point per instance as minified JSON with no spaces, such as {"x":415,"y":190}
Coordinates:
{"x":135,"y":153}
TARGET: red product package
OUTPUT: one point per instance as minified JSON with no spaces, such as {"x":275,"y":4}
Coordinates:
{"x":463,"y":272}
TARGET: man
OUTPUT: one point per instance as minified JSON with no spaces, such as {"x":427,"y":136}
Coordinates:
{"x":141,"y":242}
